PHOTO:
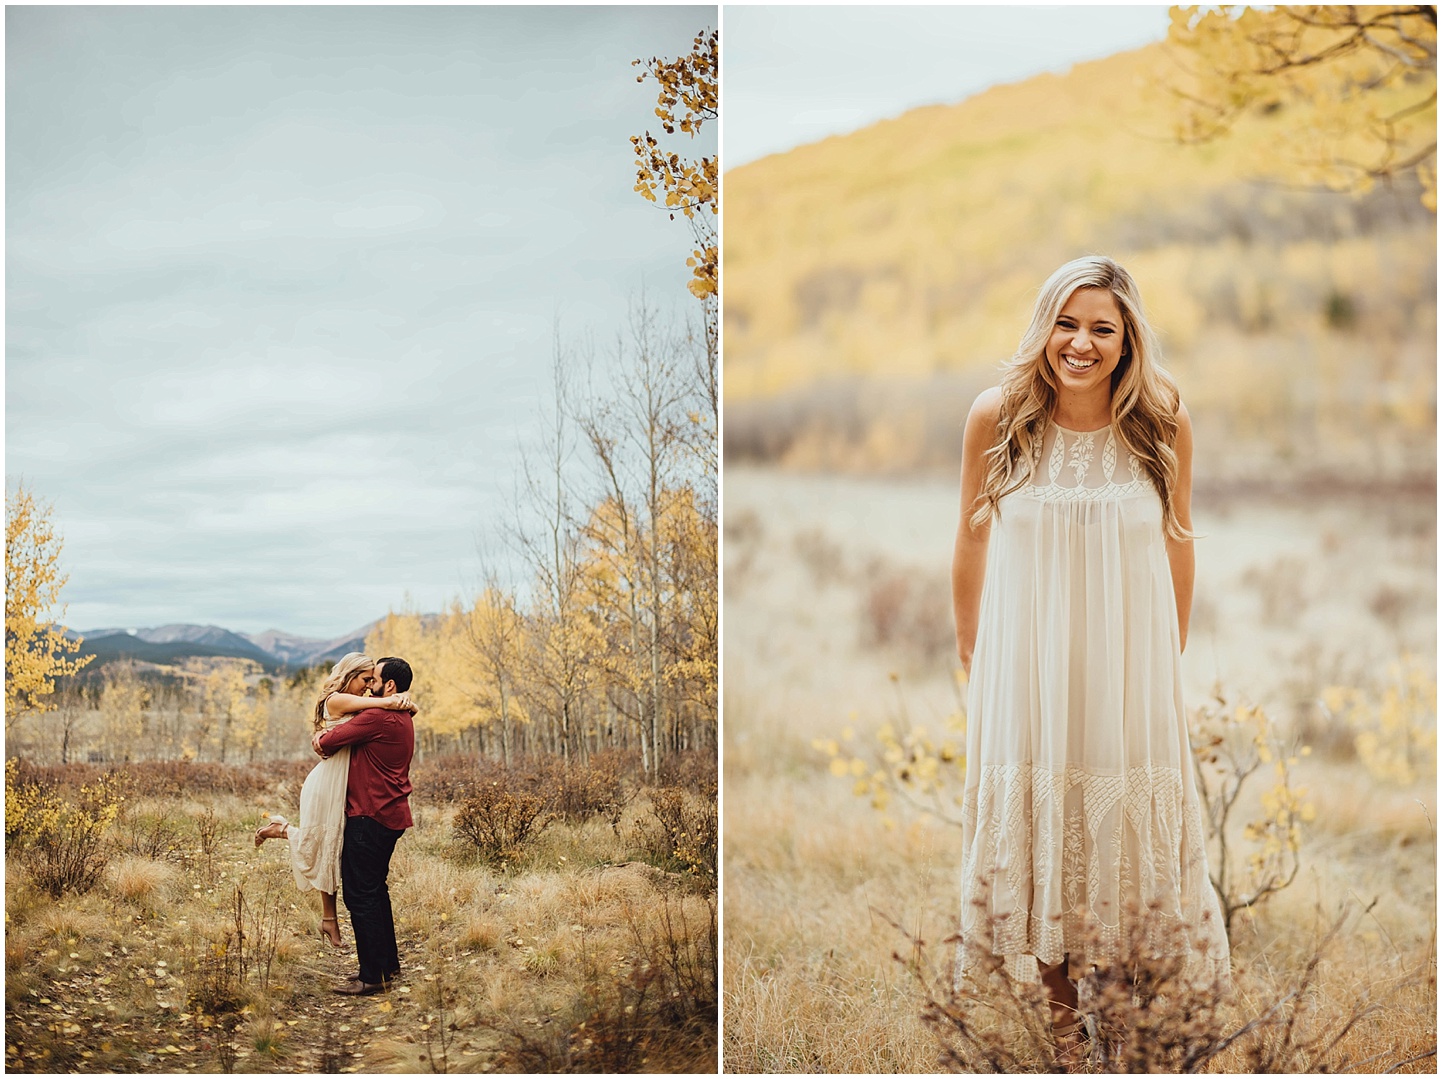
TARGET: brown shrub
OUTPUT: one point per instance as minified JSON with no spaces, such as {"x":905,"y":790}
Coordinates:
{"x":575,"y":791}
{"x":655,"y":1011}
{"x":450,"y":777}
{"x":151,"y":836}
{"x":59,"y":835}
{"x":1146,"y":1014}
{"x":580,"y":791}
{"x":174,"y":778}
{"x":681,"y":833}
{"x":691,"y":769}
{"x":497,"y":820}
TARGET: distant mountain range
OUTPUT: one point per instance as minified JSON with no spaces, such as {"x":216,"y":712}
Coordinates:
{"x":166,"y":644}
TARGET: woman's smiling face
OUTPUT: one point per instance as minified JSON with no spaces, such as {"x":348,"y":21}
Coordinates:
{"x":1086,"y":341}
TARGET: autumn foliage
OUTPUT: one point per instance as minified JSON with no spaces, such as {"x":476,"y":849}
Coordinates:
{"x":641,"y":624}
{"x":689,"y":98}
{"x":1366,"y":76}
{"x":37,"y":652}
{"x":874,"y":281}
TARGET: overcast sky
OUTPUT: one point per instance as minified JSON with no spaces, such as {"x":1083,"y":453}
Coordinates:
{"x":281,"y":287}
{"x":793,"y":75}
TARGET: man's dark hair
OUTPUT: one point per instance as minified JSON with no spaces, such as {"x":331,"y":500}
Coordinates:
{"x":394,"y":669}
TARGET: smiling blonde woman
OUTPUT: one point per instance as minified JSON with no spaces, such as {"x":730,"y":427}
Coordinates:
{"x":1072,"y":589}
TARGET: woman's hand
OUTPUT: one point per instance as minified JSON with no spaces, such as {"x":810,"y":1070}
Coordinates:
{"x":968,"y":557}
{"x":399,"y":702}
{"x":963,"y":653}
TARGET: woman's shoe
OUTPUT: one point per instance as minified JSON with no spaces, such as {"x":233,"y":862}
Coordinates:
{"x":335,"y":941}
{"x":269,"y":831}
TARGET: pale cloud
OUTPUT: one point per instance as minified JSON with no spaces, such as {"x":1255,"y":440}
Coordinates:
{"x":282,"y":284}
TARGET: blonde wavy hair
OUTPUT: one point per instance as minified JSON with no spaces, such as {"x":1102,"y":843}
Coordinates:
{"x":346,"y":668}
{"x":1145,"y":399}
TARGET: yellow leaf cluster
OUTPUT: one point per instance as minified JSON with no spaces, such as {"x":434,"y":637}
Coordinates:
{"x":1232,"y":744}
{"x":1394,"y":730}
{"x":1366,"y":78}
{"x":35,"y":816}
{"x":37,"y":652}
{"x":688,"y":99}
{"x":904,"y":760}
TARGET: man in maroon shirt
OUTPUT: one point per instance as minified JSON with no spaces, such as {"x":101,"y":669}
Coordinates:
{"x":377,"y":812}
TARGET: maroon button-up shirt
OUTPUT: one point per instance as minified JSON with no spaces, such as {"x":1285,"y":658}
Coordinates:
{"x":379,"y":784}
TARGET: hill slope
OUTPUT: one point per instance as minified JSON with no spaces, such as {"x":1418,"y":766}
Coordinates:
{"x":110,"y":647}
{"x":912,"y":250}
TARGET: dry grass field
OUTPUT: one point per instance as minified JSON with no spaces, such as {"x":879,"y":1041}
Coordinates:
{"x":837,"y":618}
{"x":590,"y":946}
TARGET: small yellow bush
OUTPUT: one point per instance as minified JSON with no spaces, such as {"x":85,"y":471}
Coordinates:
{"x":59,"y":840}
{"x":1395,"y":731}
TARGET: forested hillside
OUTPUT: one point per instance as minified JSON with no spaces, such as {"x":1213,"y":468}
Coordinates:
{"x":875,"y":281}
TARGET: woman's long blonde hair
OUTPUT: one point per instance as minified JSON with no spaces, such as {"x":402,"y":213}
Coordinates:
{"x":346,"y":668}
{"x":1144,"y":397}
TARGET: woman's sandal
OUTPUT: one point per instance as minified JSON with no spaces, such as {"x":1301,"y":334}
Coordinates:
{"x":333,"y":943}
{"x":264,"y":831}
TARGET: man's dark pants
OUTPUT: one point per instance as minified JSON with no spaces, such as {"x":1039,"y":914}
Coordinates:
{"x":365,"y":861}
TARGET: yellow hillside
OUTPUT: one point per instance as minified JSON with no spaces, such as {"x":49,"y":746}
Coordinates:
{"x":912,"y":250}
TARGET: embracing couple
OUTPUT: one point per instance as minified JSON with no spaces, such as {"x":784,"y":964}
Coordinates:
{"x":354,"y":806}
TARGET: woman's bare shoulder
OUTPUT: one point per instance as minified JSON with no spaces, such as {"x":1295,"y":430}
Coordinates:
{"x":987,"y":407}
{"x":988,"y":404}
{"x":985,"y":414}
{"x":1184,"y":430}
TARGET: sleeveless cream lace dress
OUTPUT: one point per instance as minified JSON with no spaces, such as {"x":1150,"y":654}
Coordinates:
{"x":315,"y":842}
{"x":1080,"y":803}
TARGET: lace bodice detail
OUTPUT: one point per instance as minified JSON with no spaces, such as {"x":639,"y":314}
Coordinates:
{"x":1084,"y":466}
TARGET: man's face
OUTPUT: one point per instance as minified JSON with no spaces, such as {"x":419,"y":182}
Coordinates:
{"x":379,"y":688}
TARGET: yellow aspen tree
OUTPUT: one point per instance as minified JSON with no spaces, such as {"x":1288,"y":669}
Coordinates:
{"x":1360,"y":82}
{"x":399,"y":634}
{"x":37,"y":652}
{"x":251,"y":719}
{"x":614,"y":588}
{"x":406,"y":636}
{"x":196,"y":737}
{"x":633,"y":440}
{"x":123,"y":702}
{"x":689,"y":536}
{"x":496,"y":633}
{"x":454,"y":679}
{"x":226,"y":694}
{"x":689,"y":99}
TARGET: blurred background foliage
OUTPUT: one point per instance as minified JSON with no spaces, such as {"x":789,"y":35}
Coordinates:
{"x":1268,"y":178}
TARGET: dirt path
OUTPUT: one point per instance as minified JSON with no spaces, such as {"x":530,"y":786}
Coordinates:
{"x":86,"y":1021}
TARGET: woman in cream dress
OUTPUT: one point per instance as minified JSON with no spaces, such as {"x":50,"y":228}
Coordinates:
{"x":315,"y":842}
{"x":1072,"y":587}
